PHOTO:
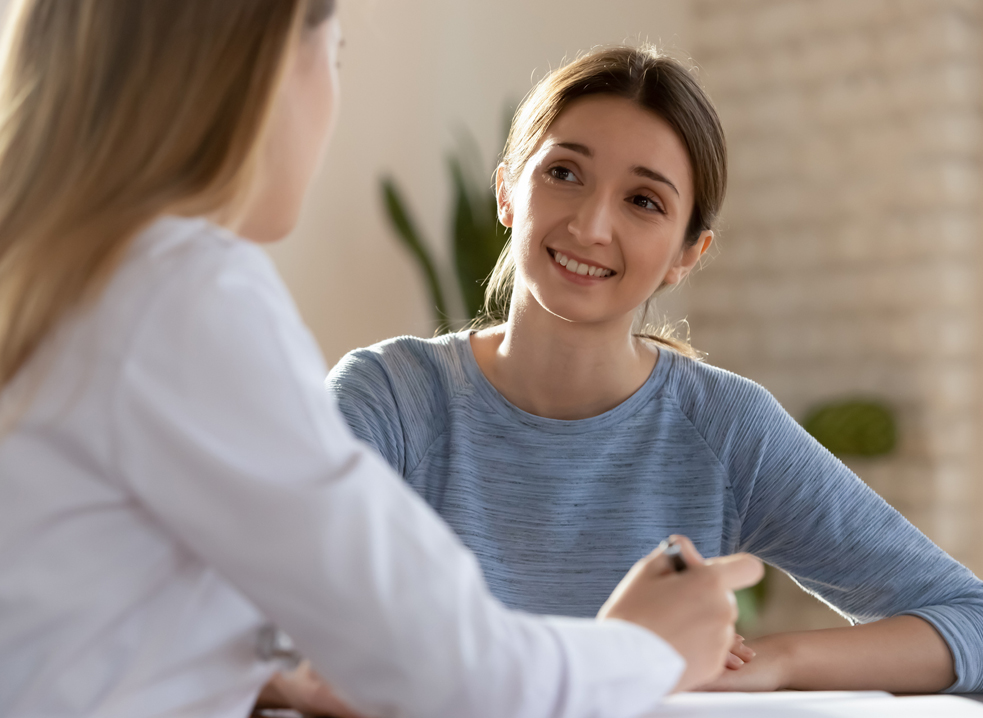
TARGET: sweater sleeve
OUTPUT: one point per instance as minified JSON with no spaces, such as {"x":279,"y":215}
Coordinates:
{"x":365,"y":397}
{"x":805,"y":512}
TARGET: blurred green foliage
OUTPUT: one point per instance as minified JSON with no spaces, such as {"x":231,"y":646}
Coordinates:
{"x":477,"y":238}
{"x":853,"y":427}
{"x":406,"y":230}
{"x":750,"y":602}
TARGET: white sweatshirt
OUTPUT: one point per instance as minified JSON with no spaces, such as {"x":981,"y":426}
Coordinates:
{"x":176,"y":475}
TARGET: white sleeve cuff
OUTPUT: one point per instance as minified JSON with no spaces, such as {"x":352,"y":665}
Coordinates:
{"x":616,"y":668}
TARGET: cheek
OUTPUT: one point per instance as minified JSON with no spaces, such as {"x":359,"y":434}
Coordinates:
{"x":521,"y":248}
{"x":323,"y":93}
{"x":534,"y":219}
{"x":298,"y":134}
{"x":310,"y":113}
{"x":315,"y":101}
{"x":651,"y":260}
{"x":529,"y":230}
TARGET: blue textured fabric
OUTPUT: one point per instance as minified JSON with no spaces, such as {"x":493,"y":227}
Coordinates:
{"x":558,"y":511}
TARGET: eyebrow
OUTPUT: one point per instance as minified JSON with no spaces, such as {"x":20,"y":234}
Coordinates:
{"x":574,"y":147}
{"x":640,"y":171}
{"x":637,"y":170}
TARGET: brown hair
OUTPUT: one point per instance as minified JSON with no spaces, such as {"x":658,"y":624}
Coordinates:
{"x":113,"y":112}
{"x":654,"y":82}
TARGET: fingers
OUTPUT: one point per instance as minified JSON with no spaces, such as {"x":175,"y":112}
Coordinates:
{"x":690,"y":554}
{"x":739,"y":654}
{"x":658,"y":563}
{"x":738,"y":571}
{"x":740,"y":650}
{"x":734,"y":659}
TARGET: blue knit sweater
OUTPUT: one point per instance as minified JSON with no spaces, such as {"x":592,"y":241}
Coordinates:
{"x":558,"y":511}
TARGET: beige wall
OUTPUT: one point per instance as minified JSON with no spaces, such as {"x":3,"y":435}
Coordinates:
{"x":849,"y":262}
{"x":413,"y":73}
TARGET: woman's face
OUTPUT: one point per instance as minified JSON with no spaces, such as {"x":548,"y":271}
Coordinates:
{"x":599,"y":212}
{"x":300,"y":127}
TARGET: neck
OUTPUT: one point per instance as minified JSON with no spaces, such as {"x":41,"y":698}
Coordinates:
{"x":559,"y":369}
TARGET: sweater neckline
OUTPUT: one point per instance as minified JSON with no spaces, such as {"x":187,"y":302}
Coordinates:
{"x":507,"y":409}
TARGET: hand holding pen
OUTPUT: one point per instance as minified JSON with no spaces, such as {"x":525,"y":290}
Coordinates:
{"x":672,"y":549}
{"x":687,"y":601}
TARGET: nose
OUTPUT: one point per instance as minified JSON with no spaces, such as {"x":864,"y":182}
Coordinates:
{"x":593,"y":221}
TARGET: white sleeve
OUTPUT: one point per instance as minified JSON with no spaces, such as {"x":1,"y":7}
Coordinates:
{"x":227,"y":435}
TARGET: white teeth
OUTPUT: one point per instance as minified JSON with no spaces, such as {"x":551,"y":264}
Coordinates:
{"x":572,"y":265}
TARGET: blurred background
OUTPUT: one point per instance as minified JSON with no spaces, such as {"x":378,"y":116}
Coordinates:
{"x":846,"y":266}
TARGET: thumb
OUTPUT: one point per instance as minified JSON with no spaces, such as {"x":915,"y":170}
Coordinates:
{"x":688,"y":550}
{"x":738,"y":571}
{"x":659,"y":563}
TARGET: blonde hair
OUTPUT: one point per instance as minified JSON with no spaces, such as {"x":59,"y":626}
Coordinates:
{"x":655,"y":82}
{"x":113,"y":112}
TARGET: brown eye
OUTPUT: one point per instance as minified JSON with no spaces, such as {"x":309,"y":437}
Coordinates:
{"x":647,"y":203}
{"x":562,"y":174}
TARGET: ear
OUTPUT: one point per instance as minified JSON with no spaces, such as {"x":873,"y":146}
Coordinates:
{"x":688,"y":258}
{"x":502,"y":195}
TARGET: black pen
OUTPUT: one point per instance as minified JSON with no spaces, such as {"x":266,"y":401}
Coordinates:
{"x":674,"y":552}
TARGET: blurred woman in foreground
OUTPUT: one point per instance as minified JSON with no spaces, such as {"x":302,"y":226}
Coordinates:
{"x":172,"y":472}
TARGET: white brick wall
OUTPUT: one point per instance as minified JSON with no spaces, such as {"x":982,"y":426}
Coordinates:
{"x":848,"y":262}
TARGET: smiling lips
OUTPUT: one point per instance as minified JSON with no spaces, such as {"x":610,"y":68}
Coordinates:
{"x":575,"y":267}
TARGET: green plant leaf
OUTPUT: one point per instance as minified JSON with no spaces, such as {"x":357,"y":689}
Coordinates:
{"x":406,"y":230}
{"x":748,"y":609}
{"x":751,"y":601}
{"x":477,"y":238}
{"x":853,"y":427}
{"x":476,"y":235}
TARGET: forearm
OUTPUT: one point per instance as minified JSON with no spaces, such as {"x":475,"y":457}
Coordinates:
{"x":903,"y":654}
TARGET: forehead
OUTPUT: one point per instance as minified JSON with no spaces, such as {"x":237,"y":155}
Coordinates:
{"x":621,"y":135}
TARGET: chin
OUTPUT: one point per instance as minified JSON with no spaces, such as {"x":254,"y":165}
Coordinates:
{"x":588,"y":312}
{"x":578,"y":315}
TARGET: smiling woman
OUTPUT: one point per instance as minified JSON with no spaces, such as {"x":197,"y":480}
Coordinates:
{"x":645,"y":81}
{"x":559,"y":443}
{"x":619,"y":212}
